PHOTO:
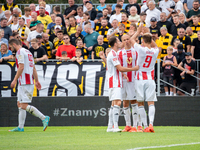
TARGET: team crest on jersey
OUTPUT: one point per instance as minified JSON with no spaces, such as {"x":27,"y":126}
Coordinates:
{"x":129,"y":60}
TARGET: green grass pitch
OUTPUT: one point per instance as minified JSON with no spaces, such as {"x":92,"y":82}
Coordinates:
{"x":96,"y":138}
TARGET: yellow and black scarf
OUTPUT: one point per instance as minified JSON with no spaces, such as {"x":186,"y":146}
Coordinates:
{"x":195,"y":29}
{"x":58,"y":43}
{"x":144,"y":23}
{"x":166,"y":43}
{"x":23,"y":32}
{"x":127,"y":25}
{"x":48,"y":49}
{"x":84,"y":52}
{"x":104,"y":32}
{"x":182,"y":41}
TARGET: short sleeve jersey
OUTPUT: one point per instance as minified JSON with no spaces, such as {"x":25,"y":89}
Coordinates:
{"x":25,"y":57}
{"x":146,"y":61}
{"x":114,"y":76}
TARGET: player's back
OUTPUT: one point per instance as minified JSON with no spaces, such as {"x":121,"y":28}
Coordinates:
{"x":146,"y":61}
{"x":25,"y":57}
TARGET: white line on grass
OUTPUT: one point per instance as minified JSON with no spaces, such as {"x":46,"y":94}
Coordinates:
{"x":161,"y":146}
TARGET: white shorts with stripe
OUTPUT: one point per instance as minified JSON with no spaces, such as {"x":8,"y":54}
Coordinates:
{"x":128,"y":91}
{"x":25,"y":93}
{"x":115,"y":94}
{"x":145,"y":90}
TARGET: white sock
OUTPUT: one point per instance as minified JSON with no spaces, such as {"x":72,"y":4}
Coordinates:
{"x":151,"y":114}
{"x":143,"y":115}
{"x":34,"y":111}
{"x":135,"y":114}
{"x":116,"y":110}
{"x":139,"y":119}
{"x":110,"y":117}
{"x":166,"y":93}
{"x":127,"y":116}
{"x":171,"y":93}
{"x":21,"y":117}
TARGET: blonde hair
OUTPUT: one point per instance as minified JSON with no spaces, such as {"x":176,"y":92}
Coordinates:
{"x":5,"y":46}
{"x":42,"y":3}
{"x":170,"y":48}
{"x":34,"y":40}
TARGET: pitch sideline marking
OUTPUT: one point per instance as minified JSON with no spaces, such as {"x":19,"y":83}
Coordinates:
{"x":162,"y":146}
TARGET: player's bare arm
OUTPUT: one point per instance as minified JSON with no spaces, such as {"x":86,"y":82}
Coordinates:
{"x":37,"y":83}
{"x":133,"y":38}
{"x":18,"y":74}
{"x":124,"y":69}
{"x":102,"y":56}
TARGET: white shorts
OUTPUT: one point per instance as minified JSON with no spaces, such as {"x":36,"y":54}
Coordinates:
{"x":115,"y":94}
{"x":25,"y":93}
{"x":128,"y":91}
{"x":145,"y":90}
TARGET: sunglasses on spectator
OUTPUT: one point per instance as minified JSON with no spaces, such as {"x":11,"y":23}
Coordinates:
{"x":65,"y":38}
{"x":41,"y":7}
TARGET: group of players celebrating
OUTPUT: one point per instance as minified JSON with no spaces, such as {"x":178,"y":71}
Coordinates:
{"x":130,"y":69}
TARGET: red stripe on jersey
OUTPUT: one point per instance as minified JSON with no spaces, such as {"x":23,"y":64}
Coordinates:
{"x":111,"y":82}
{"x":129,"y":64}
{"x":144,"y":75}
{"x":27,"y":78}
{"x":17,"y":63}
{"x":138,"y":75}
{"x":114,"y":54}
{"x":152,"y":74}
{"x":118,"y":78}
{"x":120,"y":58}
{"x":136,"y":61}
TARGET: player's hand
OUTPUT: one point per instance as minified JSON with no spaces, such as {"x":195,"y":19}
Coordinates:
{"x":145,"y":30}
{"x":140,"y":27}
{"x":101,"y":54}
{"x":12,"y":85}
{"x":126,"y":77}
{"x":38,"y":85}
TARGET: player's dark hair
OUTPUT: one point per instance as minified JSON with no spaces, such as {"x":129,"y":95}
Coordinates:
{"x":112,"y":41}
{"x":147,"y":38}
{"x":12,"y":41}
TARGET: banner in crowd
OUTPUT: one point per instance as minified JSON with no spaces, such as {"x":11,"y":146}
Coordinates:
{"x":60,"y":79}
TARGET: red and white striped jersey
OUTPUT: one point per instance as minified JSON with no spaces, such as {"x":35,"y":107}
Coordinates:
{"x":114,"y":76}
{"x":128,"y":59}
{"x":146,"y":61}
{"x":25,"y":57}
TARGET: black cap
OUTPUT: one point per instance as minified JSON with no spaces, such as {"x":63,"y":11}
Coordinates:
{"x":39,"y":37}
{"x":180,"y":47}
{"x":88,"y":2}
{"x":154,"y":31}
{"x":153,"y":19}
{"x":99,"y":15}
{"x":188,"y":54}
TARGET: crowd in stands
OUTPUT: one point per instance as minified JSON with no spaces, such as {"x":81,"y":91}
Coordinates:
{"x":81,"y":32}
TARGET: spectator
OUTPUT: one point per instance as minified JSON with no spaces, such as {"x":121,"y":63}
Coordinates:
{"x":84,"y":7}
{"x":38,"y":52}
{"x":92,"y":12}
{"x":16,"y":11}
{"x":76,"y":35}
{"x":27,"y":16}
{"x":121,"y":31}
{"x":57,"y":41}
{"x":109,"y":7}
{"x":196,"y":24}
{"x":100,"y":46}
{"x":182,"y":19}
{"x":154,"y":26}
{"x":15,"y":35}
{"x":117,"y":15}
{"x":86,"y":17}
{"x":195,"y":48}
{"x":78,"y":58}
{"x":15,"y":25}
{"x":187,"y":4}
{"x":152,"y":12}
{"x":125,"y":21}
{"x":144,"y":7}
{"x":7,"y":30}
{"x":45,"y":19}
{"x":8,"y":5}
{"x":132,"y":3}
{"x":191,"y":34}
{"x":114,"y":30}
{"x":58,"y":22}
{"x":47,"y":7}
{"x":79,"y":43}
{"x":71,"y":10}
{"x":166,"y":39}
{"x":163,"y":21}
{"x":79,"y":16}
{"x":66,"y":23}
{"x":133,"y":17}
{"x":185,"y":40}
{"x":97,"y":21}
{"x":56,"y":10}
{"x":8,"y":15}
{"x":33,"y":34}
{"x":5,"y":54}
{"x":52,"y":24}
{"x":42,"y":4}
{"x":133,"y":29}
{"x":23,"y":30}
{"x":142,"y":19}
{"x":64,"y":56}
{"x":188,"y":67}
{"x":48,"y":44}
{"x":105,"y":14}
{"x":32,"y":7}
{"x":102,"y":6}
{"x":2,"y":14}
{"x":2,"y":39}
{"x":70,"y":49}
{"x":168,"y":73}
{"x":123,"y":5}
{"x":120,"y":2}
{"x":176,"y":43}
{"x":40,"y":40}
{"x":90,"y":39}
{"x":176,"y":26}
{"x":194,"y":11}
{"x":33,"y":22}
{"x":72,"y":25}
{"x":166,"y":5}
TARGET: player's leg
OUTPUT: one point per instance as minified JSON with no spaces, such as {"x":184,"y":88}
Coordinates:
{"x":127,"y":115}
{"x":134,"y":106}
{"x":110,"y":118}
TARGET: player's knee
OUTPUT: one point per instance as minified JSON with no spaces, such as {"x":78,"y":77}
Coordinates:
{"x":150,"y":103}
{"x":140,"y":103}
{"x":133,"y":101}
{"x":125,"y":103}
{"x":23,"y":105}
